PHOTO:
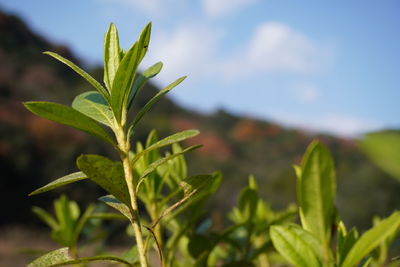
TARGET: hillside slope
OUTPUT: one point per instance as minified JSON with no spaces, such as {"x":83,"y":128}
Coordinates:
{"x":34,"y":151}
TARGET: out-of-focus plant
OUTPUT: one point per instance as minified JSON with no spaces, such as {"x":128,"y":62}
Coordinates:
{"x":383,"y":148}
{"x":310,"y":244}
{"x":68,"y":222}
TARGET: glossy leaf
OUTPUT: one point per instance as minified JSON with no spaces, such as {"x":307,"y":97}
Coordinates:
{"x":317,"y":189}
{"x":93,"y":105}
{"x":61,"y":257}
{"x":69,"y":116}
{"x":125,"y":75}
{"x":68,"y":179}
{"x":174,"y":138}
{"x":383,"y":148}
{"x":371,"y":239}
{"x":154,"y":100}
{"x":111,"y":201}
{"x":111,"y":55}
{"x":81,"y":72}
{"x":293,"y":247}
{"x":142,"y":79}
{"x":107,"y":174}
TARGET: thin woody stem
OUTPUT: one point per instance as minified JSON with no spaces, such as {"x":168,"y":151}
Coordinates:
{"x":124,"y":146}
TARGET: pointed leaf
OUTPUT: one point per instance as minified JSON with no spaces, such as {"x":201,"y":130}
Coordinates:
{"x":293,"y":247}
{"x":45,"y":217}
{"x":107,"y":174}
{"x":93,"y":105}
{"x":142,"y":79}
{"x":154,"y":165}
{"x":81,"y":72}
{"x":125,"y":75}
{"x":61,"y":257}
{"x":371,"y":239}
{"x":345,"y":241}
{"x":111,"y":55}
{"x":111,"y":201}
{"x":154,"y":100}
{"x":165,"y":142}
{"x":69,"y":116}
{"x":70,"y":178}
{"x":81,"y":223}
{"x":317,"y":189}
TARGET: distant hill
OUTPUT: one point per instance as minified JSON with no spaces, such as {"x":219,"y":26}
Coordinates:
{"x":34,"y":151}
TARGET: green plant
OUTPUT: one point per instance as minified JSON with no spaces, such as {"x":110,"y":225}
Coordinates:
{"x":109,"y":106}
{"x":310,"y":244}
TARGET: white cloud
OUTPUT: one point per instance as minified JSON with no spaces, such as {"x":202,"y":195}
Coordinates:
{"x":339,"y":124}
{"x":224,"y":7}
{"x":190,"y":49}
{"x":307,"y":92}
{"x":276,"y":47}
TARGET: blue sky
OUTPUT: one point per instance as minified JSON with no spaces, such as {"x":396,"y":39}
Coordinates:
{"x":332,"y":66}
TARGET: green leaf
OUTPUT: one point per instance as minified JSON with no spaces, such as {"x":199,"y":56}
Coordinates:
{"x":317,"y":189}
{"x":45,"y":217}
{"x":125,"y":75}
{"x":345,"y":241}
{"x":69,"y":116}
{"x":81,"y":223}
{"x":142,"y":79}
{"x":165,"y":142}
{"x":93,"y":105}
{"x":154,"y":165}
{"x":152,"y":101}
{"x":81,"y":72}
{"x":383,"y":148}
{"x":107,"y":174}
{"x":293,"y":247}
{"x":60,"y":257}
{"x":111,"y":55}
{"x":371,"y":239}
{"x":111,"y":201}
{"x":70,"y":178}
{"x":107,"y":216}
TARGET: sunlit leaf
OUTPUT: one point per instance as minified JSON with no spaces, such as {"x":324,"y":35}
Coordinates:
{"x":93,"y":105}
{"x":125,"y":75}
{"x":142,"y":79}
{"x":70,"y":178}
{"x":317,"y":190}
{"x":81,"y":72}
{"x":166,"y":141}
{"x":61,"y":257}
{"x":68,"y":116}
{"x":154,"y":100}
{"x":371,"y":239}
{"x":293,"y":247}
{"x":111,"y":55}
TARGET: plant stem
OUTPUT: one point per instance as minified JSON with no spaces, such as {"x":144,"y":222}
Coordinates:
{"x":124,"y":145}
